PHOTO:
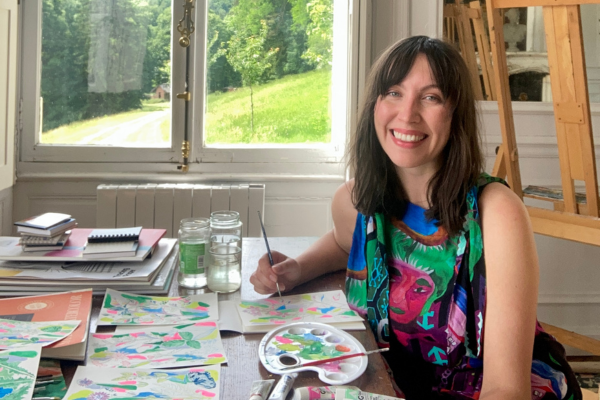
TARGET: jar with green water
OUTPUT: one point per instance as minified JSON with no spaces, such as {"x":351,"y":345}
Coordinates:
{"x":194,"y":236}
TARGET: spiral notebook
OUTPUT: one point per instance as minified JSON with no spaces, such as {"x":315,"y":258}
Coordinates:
{"x":114,"y":235}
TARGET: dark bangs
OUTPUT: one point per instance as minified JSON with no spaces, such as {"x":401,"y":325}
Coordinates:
{"x":401,"y":58}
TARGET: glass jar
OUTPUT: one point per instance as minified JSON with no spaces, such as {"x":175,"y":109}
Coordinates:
{"x":225,"y":249}
{"x":194,"y":236}
{"x":225,"y":269}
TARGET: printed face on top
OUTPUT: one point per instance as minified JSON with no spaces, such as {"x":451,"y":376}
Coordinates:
{"x":412,"y":120}
{"x":410,"y":288}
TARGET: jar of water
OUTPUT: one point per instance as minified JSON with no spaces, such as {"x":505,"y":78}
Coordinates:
{"x":194,"y":238}
{"x":225,"y":252}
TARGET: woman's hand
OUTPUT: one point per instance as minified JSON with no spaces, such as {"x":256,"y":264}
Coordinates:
{"x":286,"y":272}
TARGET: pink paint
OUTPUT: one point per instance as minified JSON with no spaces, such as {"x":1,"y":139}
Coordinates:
{"x":117,"y":389}
{"x":326,"y":316}
{"x":301,"y":309}
{"x":296,"y":319}
{"x":128,"y":383}
{"x":215,"y":355}
{"x":272,"y":301}
{"x":312,"y":309}
{"x":3,"y":330}
{"x":205,"y":324}
{"x":197,"y":369}
{"x":205,"y":393}
{"x":201,"y":308}
{"x":278,"y":321}
{"x":283,"y":340}
{"x":137,"y":357}
{"x":174,"y":337}
{"x":112,"y":311}
{"x":8,"y":324}
{"x":101,"y":336}
{"x":136,"y":334}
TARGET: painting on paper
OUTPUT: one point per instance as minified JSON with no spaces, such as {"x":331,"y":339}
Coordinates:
{"x":18,"y":370}
{"x":201,"y":383}
{"x":121,"y":308}
{"x":158,"y":347}
{"x":325,"y":307}
{"x":23,"y":333}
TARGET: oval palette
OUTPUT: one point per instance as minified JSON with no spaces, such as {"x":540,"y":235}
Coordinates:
{"x":292,"y":345}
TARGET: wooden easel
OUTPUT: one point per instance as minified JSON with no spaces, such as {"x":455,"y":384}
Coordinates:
{"x":573,"y":217}
{"x":458,"y":21}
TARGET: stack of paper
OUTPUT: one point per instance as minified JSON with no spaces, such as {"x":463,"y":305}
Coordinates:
{"x":151,"y":276}
{"x":45,"y":232}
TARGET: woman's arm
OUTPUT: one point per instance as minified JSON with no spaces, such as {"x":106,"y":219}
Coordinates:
{"x":512,"y":287}
{"x":328,"y":254}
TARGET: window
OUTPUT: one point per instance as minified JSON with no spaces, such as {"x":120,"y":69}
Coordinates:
{"x":100,"y":81}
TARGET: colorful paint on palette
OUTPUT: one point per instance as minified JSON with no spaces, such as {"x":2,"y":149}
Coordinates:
{"x":158,"y":347}
{"x":18,"y":370}
{"x":121,"y":308}
{"x":105,"y":383}
{"x":23,"y":333}
{"x":327,"y":307}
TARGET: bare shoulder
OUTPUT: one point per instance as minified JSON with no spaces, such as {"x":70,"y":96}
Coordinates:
{"x":344,"y":215}
{"x":498,"y":203}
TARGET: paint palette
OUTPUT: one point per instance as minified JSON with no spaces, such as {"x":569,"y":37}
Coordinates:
{"x":302,"y":342}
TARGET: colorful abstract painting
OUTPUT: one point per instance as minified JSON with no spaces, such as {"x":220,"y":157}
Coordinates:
{"x":325,"y":307}
{"x":18,"y":370}
{"x":158,"y":347}
{"x":93,"y":383}
{"x":121,"y":308}
{"x":23,"y":333}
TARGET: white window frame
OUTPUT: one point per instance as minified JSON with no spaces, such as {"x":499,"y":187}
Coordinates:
{"x":319,"y":159}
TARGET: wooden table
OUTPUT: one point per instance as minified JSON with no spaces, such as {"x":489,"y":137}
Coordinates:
{"x":244,"y":366}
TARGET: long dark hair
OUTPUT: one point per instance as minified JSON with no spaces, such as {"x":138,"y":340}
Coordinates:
{"x":377,"y":186}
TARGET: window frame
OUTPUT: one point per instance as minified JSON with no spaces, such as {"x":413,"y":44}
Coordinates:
{"x":64,"y":157}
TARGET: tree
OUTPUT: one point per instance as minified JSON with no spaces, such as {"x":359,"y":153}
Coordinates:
{"x":248,"y":56}
{"x":320,"y":33}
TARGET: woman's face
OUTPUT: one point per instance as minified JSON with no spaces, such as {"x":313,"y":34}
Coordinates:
{"x":412,"y":120}
{"x":410,"y":290}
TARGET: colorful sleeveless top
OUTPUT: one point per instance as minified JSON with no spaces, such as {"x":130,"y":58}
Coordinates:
{"x":423,"y":294}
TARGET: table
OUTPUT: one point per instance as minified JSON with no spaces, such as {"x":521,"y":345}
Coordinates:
{"x":244,"y":366}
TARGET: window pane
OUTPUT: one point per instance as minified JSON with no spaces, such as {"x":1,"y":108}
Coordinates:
{"x":269,"y":71}
{"x":106,"y":73}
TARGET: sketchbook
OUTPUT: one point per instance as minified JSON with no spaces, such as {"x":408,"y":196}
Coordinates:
{"x":252,"y":316}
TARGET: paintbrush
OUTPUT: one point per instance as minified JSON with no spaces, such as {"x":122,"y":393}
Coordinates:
{"x":327,"y":360}
{"x":269,"y":251}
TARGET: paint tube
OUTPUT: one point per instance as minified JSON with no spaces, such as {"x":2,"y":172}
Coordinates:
{"x":260,"y":389}
{"x":283,"y":386}
{"x":318,"y":392}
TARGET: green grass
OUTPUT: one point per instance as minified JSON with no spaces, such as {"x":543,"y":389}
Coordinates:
{"x":294,"y":109}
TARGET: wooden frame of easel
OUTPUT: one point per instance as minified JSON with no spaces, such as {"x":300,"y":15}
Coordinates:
{"x":562,"y":20}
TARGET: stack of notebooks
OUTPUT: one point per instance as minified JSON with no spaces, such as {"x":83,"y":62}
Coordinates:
{"x":45,"y":232}
{"x":148,"y":270}
{"x":108,"y":243}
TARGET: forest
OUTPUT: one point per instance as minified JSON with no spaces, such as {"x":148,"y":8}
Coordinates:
{"x":101,"y":58}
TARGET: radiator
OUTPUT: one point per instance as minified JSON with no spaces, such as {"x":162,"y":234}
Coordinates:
{"x":164,"y":205}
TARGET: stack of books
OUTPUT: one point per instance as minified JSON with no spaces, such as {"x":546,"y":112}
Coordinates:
{"x":45,"y":232}
{"x":149,"y":271}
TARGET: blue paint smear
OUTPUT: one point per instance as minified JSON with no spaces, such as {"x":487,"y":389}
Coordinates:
{"x":310,"y":336}
{"x":326,"y":310}
{"x":5,"y":392}
{"x":280,"y":308}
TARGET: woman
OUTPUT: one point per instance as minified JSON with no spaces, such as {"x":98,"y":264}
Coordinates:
{"x":412,"y":228}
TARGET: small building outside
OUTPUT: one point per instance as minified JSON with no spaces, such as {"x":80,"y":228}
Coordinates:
{"x":162,"y":91}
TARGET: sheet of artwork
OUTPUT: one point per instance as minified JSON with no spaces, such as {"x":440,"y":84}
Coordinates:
{"x":158,"y":347}
{"x":18,"y":370}
{"x":121,"y":308}
{"x":325,"y":307}
{"x":353,"y":394}
{"x":130,"y":383}
{"x":22,"y":333}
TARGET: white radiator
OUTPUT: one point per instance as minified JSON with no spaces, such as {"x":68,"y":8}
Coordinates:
{"x":164,"y":205}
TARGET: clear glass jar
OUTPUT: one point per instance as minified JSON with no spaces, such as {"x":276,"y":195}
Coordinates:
{"x":225,"y":269}
{"x":226,"y":241}
{"x":194,"y":237}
